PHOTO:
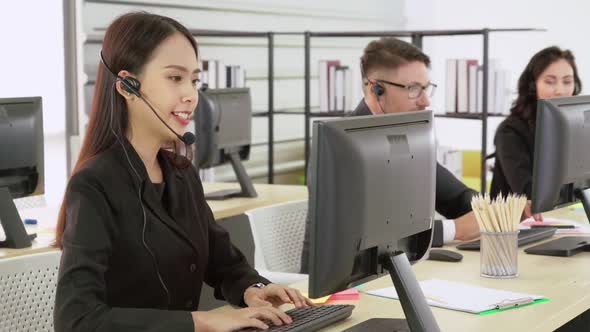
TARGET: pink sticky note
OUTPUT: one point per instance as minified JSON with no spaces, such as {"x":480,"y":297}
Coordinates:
{"x":346,"y":295}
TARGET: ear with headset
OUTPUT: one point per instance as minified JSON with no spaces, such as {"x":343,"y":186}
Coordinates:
{"x":132,"y":85}
{"x":377,"y":89}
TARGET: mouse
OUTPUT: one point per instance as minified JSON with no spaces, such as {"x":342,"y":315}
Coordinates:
{"x":444,"y":255}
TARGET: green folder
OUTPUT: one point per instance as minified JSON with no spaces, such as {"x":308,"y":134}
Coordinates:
{"x":493,"y":311}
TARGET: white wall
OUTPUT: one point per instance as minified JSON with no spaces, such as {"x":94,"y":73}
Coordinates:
{"x":565,"y":21}
{"x":32,"y":64}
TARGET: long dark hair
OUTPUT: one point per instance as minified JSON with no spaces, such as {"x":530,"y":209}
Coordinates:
{"x":525,"y":105}
{"x":128,"y":44}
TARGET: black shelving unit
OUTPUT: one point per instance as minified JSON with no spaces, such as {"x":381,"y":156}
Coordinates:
{"x":417,"y":38}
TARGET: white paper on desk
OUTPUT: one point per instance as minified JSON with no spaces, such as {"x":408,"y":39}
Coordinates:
{"x":580,"y":228}
{"x":459,"y":296}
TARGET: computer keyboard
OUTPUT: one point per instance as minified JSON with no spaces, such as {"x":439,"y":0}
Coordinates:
{"x":525,"y":236}
{"x":310,"y":318}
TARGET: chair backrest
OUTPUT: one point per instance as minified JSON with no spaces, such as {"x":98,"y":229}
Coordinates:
{"x":278,"y":232}
{"x":27,"y":291}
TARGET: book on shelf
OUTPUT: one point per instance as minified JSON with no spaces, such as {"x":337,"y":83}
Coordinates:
{"x":451,"y":86}
{"x":340,"y":86}
{"x":217,"y":75}
{"x":340,"y":89}
{"x":472,"y":80}
{"x":464,"y":87}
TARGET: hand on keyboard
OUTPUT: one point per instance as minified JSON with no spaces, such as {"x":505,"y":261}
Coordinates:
{"x":308,"y":319}
{"x":275,"y":295}
{"x":237,"y":319}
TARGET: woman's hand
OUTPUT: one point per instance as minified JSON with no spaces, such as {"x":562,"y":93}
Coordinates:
{"x":527,"y":213}
{"x":274,"y":295}
{"x":211,"y":321}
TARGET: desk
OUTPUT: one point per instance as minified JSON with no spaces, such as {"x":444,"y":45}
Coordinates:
{"x":222,"y":211}
{"x":267,"y":195}
{"x":565,"y":281}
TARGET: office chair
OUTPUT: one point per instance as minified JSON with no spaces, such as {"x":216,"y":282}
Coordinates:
{"x":278,"y":232}
{"x":27,"y":291}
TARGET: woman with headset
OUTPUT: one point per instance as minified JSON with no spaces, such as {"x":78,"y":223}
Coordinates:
{"x":137,"y":235}
{"x":550,"y":73}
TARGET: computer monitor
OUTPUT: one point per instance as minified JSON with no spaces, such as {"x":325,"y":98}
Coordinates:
{"x":21,"y":164}
{"x":371,"y":207}
{"x":224,"y":132}
{"x":561,"y":165}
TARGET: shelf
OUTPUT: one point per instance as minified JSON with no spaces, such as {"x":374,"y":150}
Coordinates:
{"x":301,"y":111}
{"x":468,"y":116}
{"x":424,"y":33}
{"x":329,"y":114}
{"x":289,"y":112}
{"x":290,"y":140}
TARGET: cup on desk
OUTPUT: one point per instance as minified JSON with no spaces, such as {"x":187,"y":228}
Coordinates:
{"x":499,"y":254}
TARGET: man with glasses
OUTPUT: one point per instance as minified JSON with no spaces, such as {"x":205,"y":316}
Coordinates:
{"x":396,"y":79}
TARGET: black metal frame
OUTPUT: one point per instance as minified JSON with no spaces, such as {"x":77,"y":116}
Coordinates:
{"x":417,"y":38}
{"x":270,"y":113}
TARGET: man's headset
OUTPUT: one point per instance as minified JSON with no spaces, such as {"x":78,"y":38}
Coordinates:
{"x":377,"y":88}
{"x":132,"y":85}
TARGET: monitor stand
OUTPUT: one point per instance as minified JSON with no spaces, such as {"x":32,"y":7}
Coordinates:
{"x":419,"y":317}
{"x":246,"y":186}
{"x":584,"y":196}
{"x":14,"y":229}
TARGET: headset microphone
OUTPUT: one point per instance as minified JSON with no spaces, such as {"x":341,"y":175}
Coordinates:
{"x":132,"y":85}
{"x":188,"y":138}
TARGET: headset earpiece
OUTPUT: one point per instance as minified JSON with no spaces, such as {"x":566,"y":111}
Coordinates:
{"x":378,"y":89}
{"x":130,"y":84}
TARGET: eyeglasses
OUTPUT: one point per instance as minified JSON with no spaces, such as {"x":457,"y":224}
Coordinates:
{"x":415,"y":90}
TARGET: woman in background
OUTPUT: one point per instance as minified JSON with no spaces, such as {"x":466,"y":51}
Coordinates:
{"x":550,"y":73}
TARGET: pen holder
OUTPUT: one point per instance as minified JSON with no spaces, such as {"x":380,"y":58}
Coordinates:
{"x":499,"y":254}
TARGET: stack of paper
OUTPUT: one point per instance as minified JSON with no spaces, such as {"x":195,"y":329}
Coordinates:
{"x":464,"y":297}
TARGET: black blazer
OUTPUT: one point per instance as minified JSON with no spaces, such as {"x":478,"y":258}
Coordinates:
{"x":108,"y":279}
{"x":513,"y":168}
